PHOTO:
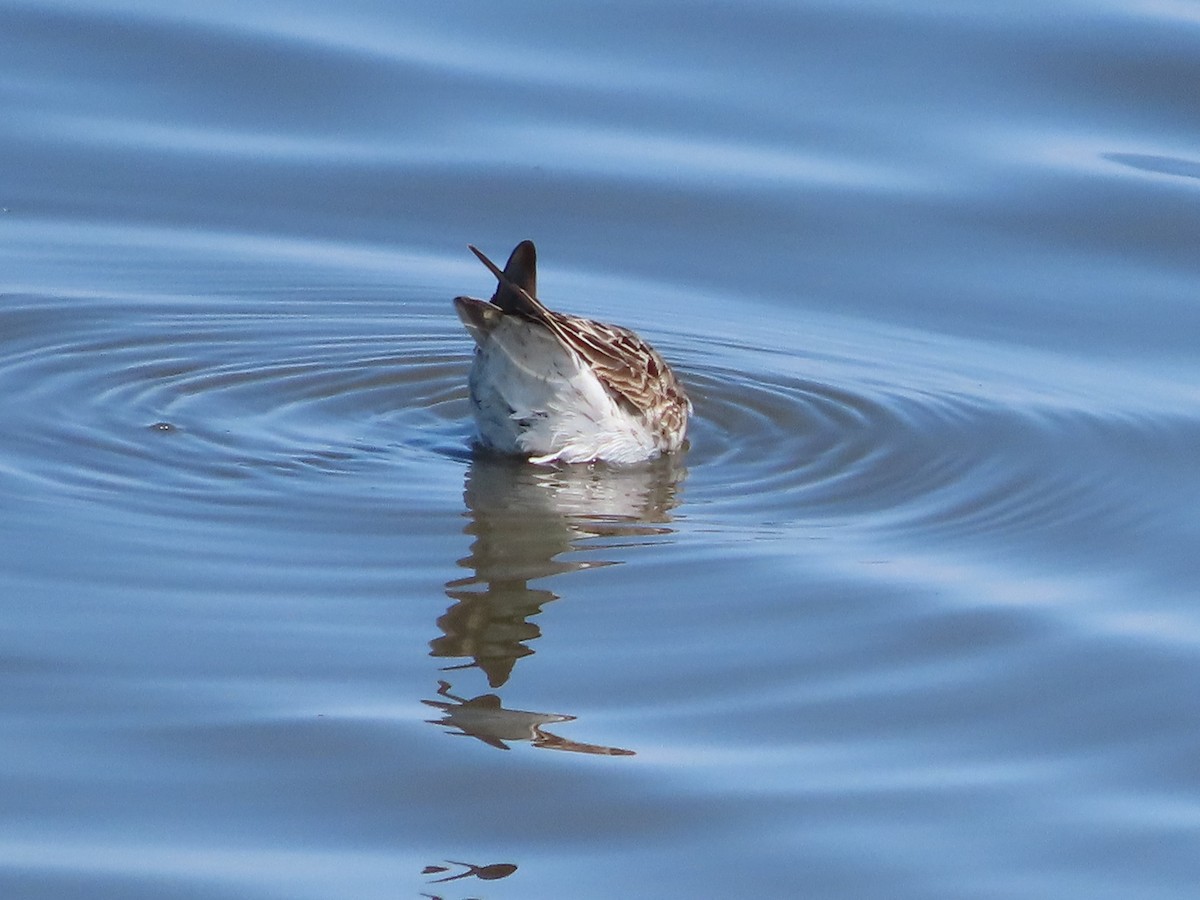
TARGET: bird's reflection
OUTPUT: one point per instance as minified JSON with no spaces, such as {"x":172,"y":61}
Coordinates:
{"x":528,"y":522}
{"x":485,"y":718}
{"x":490,"y":872}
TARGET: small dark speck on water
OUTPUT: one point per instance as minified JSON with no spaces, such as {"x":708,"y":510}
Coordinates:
{"x":163,"y":426}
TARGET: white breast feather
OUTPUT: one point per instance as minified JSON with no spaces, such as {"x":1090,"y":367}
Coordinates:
{"x":531,"y":395}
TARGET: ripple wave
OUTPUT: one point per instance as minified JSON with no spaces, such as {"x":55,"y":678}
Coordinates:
{"x":234,"y":400}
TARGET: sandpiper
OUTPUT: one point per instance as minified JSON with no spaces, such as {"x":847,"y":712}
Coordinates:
{"x":560,"y":388}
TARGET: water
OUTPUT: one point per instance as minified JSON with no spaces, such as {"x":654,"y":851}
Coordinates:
{"x":914,"y":616}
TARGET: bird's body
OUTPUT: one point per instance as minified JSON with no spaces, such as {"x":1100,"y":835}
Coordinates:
{"x":560,"y":388}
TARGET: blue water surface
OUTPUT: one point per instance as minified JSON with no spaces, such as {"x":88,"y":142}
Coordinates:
{"x":914,"y":616}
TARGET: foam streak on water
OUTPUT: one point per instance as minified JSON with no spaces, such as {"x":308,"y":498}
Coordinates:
{"x":914,"y":615}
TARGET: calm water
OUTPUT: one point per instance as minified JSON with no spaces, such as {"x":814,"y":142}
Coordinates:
{"x":916,"y":616}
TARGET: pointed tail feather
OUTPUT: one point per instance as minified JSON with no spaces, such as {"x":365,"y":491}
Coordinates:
{"x":516,"y":291}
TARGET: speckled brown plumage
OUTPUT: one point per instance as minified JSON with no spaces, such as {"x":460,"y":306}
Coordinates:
{"x":636,"y":378}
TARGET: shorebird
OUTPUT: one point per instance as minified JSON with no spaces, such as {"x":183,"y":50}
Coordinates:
{"x":559,"y":388}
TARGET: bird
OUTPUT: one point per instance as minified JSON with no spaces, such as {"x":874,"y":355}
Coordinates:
{"x":558,"y":388}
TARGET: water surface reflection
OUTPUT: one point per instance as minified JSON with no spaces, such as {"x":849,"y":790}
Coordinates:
{"x":490,"y":872}
{"x":484,"y":717}
{"x":529,"y":523}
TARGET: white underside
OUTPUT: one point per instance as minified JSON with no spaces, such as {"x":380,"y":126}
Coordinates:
{"x":531,"y":396}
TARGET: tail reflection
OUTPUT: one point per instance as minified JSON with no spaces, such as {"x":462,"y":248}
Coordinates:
{"x":485,"y":718}
{"x":492,"y":872}
{"x":526,"y":521}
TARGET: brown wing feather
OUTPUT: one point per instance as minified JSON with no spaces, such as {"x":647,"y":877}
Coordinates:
{"x":626,"y":365}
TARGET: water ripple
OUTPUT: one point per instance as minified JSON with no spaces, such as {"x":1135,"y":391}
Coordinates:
{"x":915,"y":455}
{"x":152,"y":404}
{"x":231,"y":402}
